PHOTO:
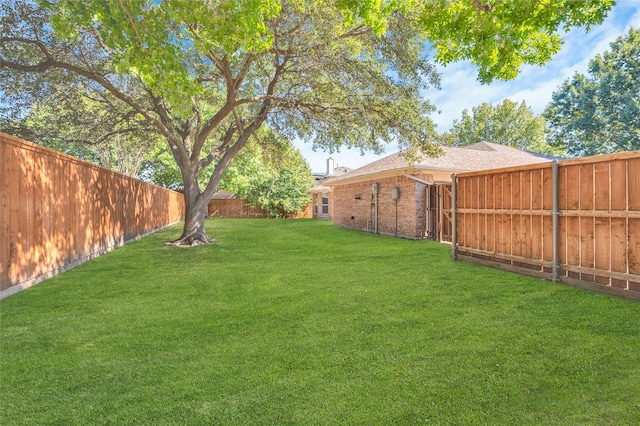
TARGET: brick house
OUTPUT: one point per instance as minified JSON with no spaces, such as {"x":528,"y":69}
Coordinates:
{"x":322,"y":195}
{"x":393,"y":197}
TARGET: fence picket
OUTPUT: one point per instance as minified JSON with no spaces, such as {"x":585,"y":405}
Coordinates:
{"x":57,"y":211}
{"x":598,"y":221}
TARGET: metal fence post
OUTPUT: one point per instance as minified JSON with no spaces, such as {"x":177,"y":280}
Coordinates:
{"x":555,"y":213}
{"x":454,"y":219}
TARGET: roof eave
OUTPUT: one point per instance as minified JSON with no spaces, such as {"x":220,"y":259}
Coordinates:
{"x":390,"y":173}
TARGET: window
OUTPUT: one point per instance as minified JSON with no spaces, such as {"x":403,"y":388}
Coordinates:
{"x":325,"y":203}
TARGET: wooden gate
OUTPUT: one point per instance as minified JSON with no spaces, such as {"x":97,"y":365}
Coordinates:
{"x":446,"y":212}
{"x":439,"y":215}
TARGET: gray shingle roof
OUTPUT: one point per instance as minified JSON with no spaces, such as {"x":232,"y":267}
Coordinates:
{"x":474,"y":157}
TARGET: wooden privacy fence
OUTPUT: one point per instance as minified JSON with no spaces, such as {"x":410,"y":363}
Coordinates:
{"x":57,"y":211}
{"x":234,"y":207}
{"x":238,"y":207}
{"x":574,"y":221}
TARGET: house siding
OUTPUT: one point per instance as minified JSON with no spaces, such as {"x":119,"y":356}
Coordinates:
{"x":404,"y":217}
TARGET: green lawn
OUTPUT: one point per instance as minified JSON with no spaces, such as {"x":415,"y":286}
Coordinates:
{"x":299,"y":322}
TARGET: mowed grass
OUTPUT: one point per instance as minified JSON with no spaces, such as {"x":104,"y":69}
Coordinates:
{"x":299,"y":322}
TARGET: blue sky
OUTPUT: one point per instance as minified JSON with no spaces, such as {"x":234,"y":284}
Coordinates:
{"x":460,"y":90}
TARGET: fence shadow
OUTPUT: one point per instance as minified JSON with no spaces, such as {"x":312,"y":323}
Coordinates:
{"x":57,"y":211}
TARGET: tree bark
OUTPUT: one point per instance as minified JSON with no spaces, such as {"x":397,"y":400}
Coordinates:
{"x":196,"y":210}
{"x":193,"y":233}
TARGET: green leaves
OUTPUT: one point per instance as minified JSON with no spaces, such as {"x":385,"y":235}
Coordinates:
{"x":157,"y":41}
{"x":228,"y":25}
{"x":499,"y":37}
{"x":600,"y":112}
{"x":373,"y":13}
{"x":152,"y":39}
{"x":507,"y":124}
{"x":272,"y":174}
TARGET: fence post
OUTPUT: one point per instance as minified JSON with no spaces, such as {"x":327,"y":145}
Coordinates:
{"x":454,"y":219}
{"x":555,"y":213}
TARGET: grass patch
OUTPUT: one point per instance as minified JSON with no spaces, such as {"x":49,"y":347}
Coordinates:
{"x":299,"y":322}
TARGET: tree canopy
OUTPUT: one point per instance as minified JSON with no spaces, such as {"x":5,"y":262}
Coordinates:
{"x":500,"y":36}
{"x":507,"y":123}
{"x":206,"y":75}
{"x":70,"y":126}
{"x":599,"y":113}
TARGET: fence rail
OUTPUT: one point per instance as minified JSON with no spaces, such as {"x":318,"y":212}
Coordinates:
{"x":239,"y":208}
{"x":57,"y":211}
{"x":506,"y":217}
{"x":236,"y":207}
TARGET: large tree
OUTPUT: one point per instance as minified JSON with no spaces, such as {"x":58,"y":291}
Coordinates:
{"x":206,"y":75}
{"x":599,"y":113}
{"x":507,"y":123}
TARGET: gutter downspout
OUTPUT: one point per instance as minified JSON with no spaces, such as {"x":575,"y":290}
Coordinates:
{"x":376,"y":214}
{"x":396,"y":231}
{"x":428,"y":213}
{"x":438,"y":217}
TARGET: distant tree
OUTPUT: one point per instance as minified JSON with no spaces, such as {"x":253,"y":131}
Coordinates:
{"x":207,"y":74}
{"x":273,"y":176}
{"x":160,"y":168}
{"x":600,"y":113}
{"x":507,"y":124}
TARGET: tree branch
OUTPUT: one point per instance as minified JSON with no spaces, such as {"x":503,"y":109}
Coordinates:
{"x":51,"y":63}
{"x":222,"y":113}
{"x":244,"y":133}
{"x":482,"y":7}
{"x":40,"y":67}
{"x":226,"y":141}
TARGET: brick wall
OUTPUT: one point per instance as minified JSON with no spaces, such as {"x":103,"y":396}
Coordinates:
{"x":354,"y":207}
{"x":316,"y":205}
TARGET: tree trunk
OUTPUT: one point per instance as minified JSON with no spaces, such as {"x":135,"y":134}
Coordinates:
{"x":193,"y":233}
{"x":196,"y":204}
{"x":197,"y":201}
